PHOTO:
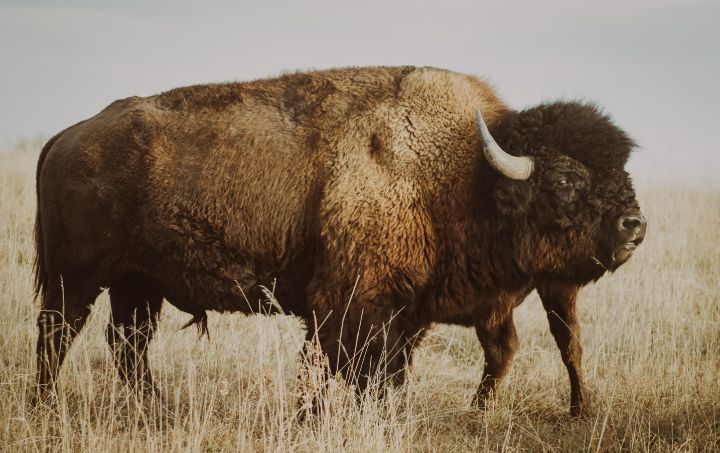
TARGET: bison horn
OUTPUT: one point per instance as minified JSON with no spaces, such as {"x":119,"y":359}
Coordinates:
{"x":508,"y":165}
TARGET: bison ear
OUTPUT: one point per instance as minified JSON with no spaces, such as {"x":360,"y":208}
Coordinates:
{"x":512,"y":197}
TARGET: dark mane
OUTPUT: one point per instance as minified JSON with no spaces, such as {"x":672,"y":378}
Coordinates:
{"x":598,"y":142}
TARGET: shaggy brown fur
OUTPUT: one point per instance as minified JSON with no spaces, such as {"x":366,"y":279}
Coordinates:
{"x":362,"y":192}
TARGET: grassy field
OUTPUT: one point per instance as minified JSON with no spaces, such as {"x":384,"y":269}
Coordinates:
{"x":651,"y":335}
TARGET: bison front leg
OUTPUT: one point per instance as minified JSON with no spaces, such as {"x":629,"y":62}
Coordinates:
{"x":363,"y":340}
{"x":365,"y":348}
{"x":499,"y":341}
{"x":559,"y":302}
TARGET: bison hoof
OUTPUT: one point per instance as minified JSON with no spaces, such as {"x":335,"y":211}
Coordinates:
{"x":43,"y":395}
{"x":480,"y":401}
{"x":579,"y":411}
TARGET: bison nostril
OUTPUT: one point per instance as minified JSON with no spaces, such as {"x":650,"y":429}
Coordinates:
{"x":633,"y":222}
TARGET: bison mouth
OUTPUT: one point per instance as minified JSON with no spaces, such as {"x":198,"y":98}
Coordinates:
{"x":617,"y":257}
{"x":629,"y":232}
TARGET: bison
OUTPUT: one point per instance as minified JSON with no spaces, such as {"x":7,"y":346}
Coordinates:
{"x":380,"y":200}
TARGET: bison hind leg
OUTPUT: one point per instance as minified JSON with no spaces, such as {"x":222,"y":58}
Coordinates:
{"x":65,"y":306}
{"x":135,"y":303}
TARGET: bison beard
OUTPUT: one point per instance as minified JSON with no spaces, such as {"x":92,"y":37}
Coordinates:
{"x":376,"y":198}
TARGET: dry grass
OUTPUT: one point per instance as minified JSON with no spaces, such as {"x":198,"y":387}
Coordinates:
{"x":651,"y":336}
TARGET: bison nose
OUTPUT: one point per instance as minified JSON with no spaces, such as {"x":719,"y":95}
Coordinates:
{"x":634,"y":225}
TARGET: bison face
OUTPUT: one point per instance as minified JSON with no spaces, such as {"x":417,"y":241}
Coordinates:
{"x":563,"y":188}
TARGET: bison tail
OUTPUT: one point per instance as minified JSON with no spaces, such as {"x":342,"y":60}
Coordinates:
{"x":41,"y":275}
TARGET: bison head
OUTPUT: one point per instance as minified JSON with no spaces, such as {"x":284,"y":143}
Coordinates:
{"x":563,"y":188}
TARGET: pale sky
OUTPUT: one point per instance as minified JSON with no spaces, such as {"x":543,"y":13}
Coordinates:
{"x":654,"y":65}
